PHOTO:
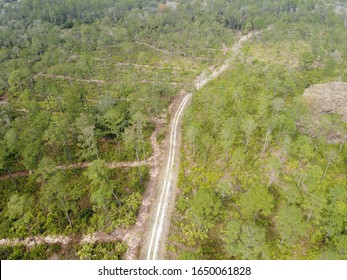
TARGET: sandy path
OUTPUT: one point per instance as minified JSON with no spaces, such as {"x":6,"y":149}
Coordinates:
{"x":111,"y":165}
{"x":136,"y":65}
{"x":170,"y":52}
{"x":154,"y":245}
{"x":95,"y":81}
{"x":154,"y":238}
{"x":132,"y":235}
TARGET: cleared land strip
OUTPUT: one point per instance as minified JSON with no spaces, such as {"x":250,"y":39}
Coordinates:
{"x":93,"y":81}
{"x":134,"y":235}
{"x":135,"y":65}
{"x":62,"y":77}
{"x":162,"y":216}
{"x":131,"y":235}
{"x":170,"y":52}
{"x":152,"y":161}
{"x":82,"y":165}
{"x":117,"y":235}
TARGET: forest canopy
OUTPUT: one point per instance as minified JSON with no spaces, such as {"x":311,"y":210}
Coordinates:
{"x":86,"y":84}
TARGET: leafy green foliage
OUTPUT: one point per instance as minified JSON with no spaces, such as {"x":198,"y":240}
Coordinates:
{"x":256,"y":201}
{"x":92,"y":251}
{"x":81,"y":81}
{"x":67,"y":202}
{"x":279,"y":177}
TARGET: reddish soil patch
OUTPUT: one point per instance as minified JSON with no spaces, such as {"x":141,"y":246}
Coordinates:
{"x":15,"y":175}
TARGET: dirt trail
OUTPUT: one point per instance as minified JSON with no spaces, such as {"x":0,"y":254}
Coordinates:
{"x":39,"y":240}
{"x":136,"y":65}
{"x":17,"y":174}
{"x":110,"y":165}
{"x":165,"y":174}
{"x":170,"y":52}
{"x":157,"y":231}
{"x":53,"y":76}
{"x":152,"y":161}
{"x":64,"y":240}
{"x":132,"y":235}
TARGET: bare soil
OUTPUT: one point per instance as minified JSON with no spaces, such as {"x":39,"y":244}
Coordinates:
{"x":39,"y":240}
{"x":170,"y":52}
{"x":136,"y":65}
{"x":135,"y":234}
{"x":199,"y":82}
{"x":329,"y":98}
{"x":154,"y":188}
{"x":110,"y":165}
{"x":68,"y":78}
{"x":15,"y":175}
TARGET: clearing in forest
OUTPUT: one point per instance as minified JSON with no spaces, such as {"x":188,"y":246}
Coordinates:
{"x":329,"y":98}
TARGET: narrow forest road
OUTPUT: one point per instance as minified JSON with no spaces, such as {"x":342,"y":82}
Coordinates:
{"x":153,"y":240}
{"x":154,"y":248}
{"x":152,"y":161}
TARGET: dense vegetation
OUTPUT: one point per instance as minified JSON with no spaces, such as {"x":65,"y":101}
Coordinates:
{"x":95,"y":251}
{"x":260,"y":177}
{"x":83,"y":81}
{"x":71,"y":202}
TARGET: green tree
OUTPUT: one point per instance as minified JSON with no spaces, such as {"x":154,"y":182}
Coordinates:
{"x":290,"y":223}
{"x":248,"y":126}
{"x":86,"y":138}
{"x":302,"y":147}
{"x":102,"y":193}
{"x":256,"y":201}
{"x":57,"y":195}
{"x":58,"y":135}
{"x":331,"y":156}
{"x":278,"y":105}
{"x":134,"y":138}
{"x":46,"y":167}
{"x":19,"y":210}
{"x":192,"y":135}
{"x":273,"y":169}
{"x":205,"y":207}
{"x":227,"y":136}
{"x":252,"y":243}
{"x":246,"y":240}
{"x":113,"y":121}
